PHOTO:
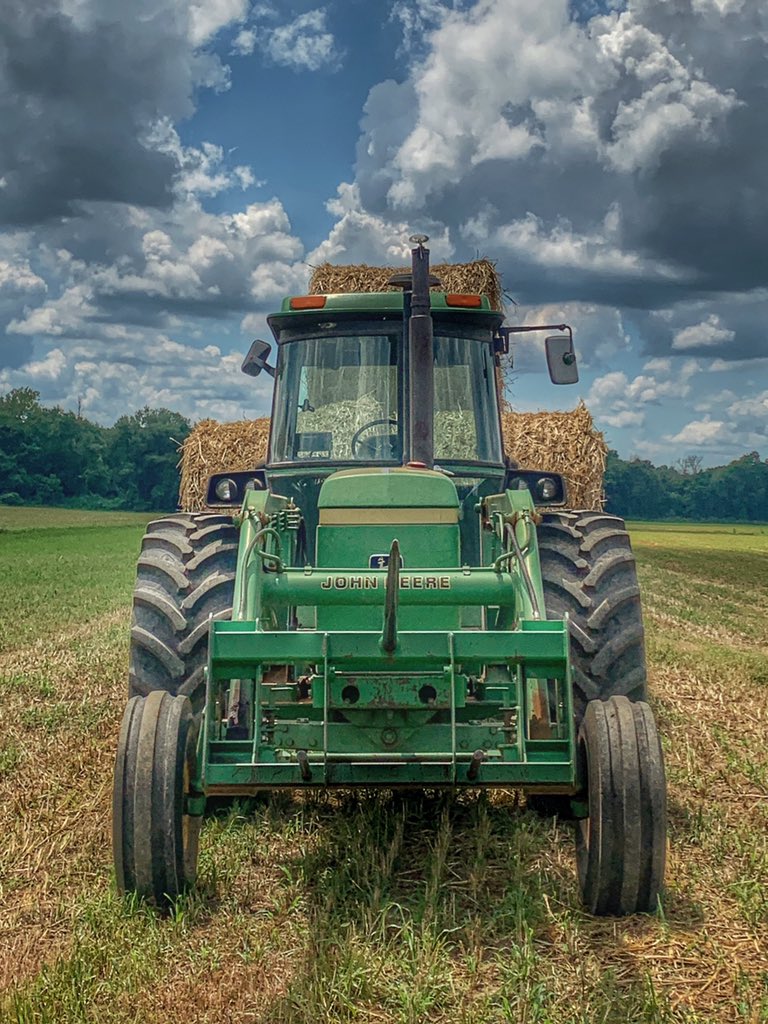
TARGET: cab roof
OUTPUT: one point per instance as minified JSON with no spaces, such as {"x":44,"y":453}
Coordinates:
{"x":385,"y":302}
{"x":352,"y":306}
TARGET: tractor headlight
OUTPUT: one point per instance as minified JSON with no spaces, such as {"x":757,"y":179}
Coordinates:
{"x":546,"y":488}
{"x":226,"y":490}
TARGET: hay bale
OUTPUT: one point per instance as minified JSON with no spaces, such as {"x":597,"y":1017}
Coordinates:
{"x":561,"y":442}
{"x":214,"y":447}
{"x":478,"y":277}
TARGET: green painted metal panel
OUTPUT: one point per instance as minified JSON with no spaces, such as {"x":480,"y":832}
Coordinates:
{"x":353,"y":547}
{"x":237,"y":649}
{"x":558,"y":777}
{"x":337,"y":586}
{"x":388,"y":488}
{"x":422,"y":546}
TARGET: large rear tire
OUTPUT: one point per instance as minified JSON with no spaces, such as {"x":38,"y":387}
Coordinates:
{"x":185,"y":575}
{"x":589,"y":572}
{"x":154,"y":839}
{"x":621,"y":846}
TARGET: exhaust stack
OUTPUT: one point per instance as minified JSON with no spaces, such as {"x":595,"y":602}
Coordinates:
{"x":421,"y":446}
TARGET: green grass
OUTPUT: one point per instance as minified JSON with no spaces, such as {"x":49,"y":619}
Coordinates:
{"x":33,"y":517}
{"x":62,"y":574}
{"x":376,"y":907}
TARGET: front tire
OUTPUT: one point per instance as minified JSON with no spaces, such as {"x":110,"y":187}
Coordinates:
{"x":154,"y":839}
{"x":621,"y":846}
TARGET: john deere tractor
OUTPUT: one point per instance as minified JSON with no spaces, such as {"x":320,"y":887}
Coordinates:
{"x":384,"y":604}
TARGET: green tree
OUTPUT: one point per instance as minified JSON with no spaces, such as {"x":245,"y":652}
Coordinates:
{"x":143,"y":452}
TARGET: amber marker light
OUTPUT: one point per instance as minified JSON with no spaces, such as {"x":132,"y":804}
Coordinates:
{"x":308,"y":302}
{"x":468,"y":301}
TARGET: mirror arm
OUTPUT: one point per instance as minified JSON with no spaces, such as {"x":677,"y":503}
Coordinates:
{"x":542,"y":327}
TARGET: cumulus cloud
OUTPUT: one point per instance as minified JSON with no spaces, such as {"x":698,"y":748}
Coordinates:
{"x":127,"y":372}
{"x":184,"y":263}
{"x":701,"y":433}
{"x":82,"y":89}
{"x":362,"y":237}
{"x":707,"y":334}
{"x":207,"y":17}
{"x":17,"y":275}
{"x":589,"y":153}
{"x":305,"y":43}
{"x":620,"y":401}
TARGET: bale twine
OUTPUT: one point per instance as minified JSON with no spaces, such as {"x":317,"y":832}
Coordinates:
{"x":559,"y":442}
{"x":479,"y":277}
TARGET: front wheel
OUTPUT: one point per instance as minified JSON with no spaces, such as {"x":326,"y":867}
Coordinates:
{"x":154,"y":838}
{"x":621,"y":846}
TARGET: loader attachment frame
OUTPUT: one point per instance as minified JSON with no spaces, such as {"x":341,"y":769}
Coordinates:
{"x":434,"y":707}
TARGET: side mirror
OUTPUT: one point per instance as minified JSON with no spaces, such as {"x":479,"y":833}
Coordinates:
{"x":561,"y":359}
{"x":256,"y":360}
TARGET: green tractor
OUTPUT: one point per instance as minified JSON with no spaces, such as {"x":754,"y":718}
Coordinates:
{"x":382,"y":605}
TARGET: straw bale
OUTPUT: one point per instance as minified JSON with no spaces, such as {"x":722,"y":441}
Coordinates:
{"x":477,"y":277}
{"x":560,"y":442}
{"x":455,"y":434}
{"x":214,"y":447}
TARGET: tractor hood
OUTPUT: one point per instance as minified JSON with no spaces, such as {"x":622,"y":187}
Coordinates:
{"x":389,"y":489}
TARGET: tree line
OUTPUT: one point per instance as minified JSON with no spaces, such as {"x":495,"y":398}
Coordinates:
{"x":52,"y":457}
{"x":738,"y":492}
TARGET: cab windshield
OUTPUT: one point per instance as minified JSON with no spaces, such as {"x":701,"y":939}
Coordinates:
{"x":340,"y":399}
{"x":336,"y":400}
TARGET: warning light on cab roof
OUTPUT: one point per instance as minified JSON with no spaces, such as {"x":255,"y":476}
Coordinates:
{"x":308,"y":302}
{"x":468,"y":301}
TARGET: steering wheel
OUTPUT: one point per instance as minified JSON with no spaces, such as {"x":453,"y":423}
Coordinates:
{"x":355,"y":443}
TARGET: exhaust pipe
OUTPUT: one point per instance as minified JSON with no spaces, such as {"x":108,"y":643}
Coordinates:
{"x":421,"y":359}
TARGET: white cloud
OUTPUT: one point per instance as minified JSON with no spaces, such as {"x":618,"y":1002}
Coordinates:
{"x":626,"y":418}
{"x":115,"y":377}
{"x":208,"y":17}
{"x":707,"y":333}
{"x":202,"y":170}
{"x":244,"y":42}
{"x":190,"y":259}
{"x":756,"y":365}
{"x":617,"y":401}
{"x":673,"y":102}
{"x":753,"y":408}
{"x":17,"y":275}
{"x":362,"y":237}
{"x":713,"y":399}
{"x":702,"y":433}
{"x":417,"y":19}
{"x":304,"y":44}
{"x":658,"y":366}
{"x":561,"y":248}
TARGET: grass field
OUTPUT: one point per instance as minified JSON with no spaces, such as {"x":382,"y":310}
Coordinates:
{"x":371,"y":907}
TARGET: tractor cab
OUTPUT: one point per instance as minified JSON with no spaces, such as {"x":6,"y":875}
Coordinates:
{"x":344,"y":387}
{"x":386,"y":379}
{"x":343,"y":375}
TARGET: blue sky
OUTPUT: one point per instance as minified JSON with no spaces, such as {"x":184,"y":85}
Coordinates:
{"x":170,"y":169}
